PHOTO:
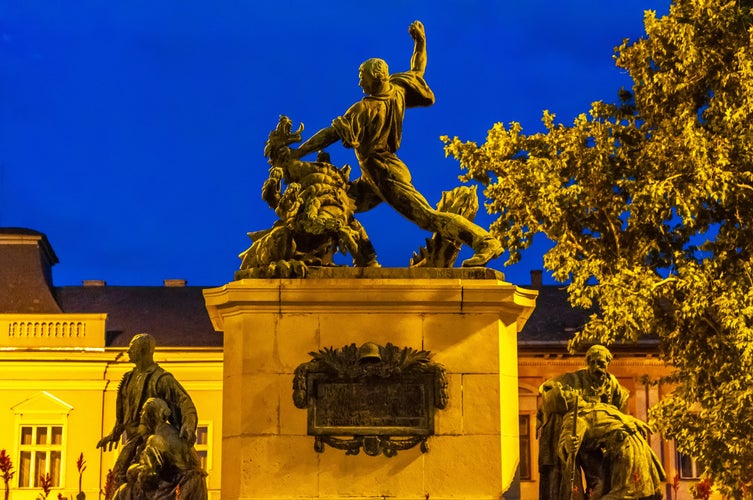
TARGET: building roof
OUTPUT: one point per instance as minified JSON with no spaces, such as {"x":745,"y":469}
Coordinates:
{"x":553,"y":319}
{"x":26,"y":260}
{"x":174,"y":315}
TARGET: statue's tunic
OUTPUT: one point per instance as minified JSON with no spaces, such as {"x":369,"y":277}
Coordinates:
{"x":135,"y":388}
{"x":373,"y":127}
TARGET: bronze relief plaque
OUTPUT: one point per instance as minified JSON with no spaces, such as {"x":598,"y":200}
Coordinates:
{"x":384,"y":397}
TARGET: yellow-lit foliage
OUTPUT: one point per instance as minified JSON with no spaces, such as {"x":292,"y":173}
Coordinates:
{"x":649,"y":203}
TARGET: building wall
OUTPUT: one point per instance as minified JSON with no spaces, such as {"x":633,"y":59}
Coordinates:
{"x":61,"y":380}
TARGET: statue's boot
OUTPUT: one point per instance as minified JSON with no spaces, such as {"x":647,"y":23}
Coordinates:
{"x":487,"y":249}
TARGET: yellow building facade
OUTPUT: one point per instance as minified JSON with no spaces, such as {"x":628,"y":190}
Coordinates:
{"x":58,"y":399}
{"x":63,"y":354}
{"x":58,"y":387}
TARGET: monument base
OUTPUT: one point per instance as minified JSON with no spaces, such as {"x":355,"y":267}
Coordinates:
{"x":467,"y":318}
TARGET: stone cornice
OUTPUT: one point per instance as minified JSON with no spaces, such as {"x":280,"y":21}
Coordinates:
{"x":394,"y":293}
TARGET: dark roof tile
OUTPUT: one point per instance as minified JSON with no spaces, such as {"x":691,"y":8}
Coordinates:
{"x":175,"y":316}
{"x":553,"y":319}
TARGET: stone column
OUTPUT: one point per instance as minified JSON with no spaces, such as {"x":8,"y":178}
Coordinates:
{"x":467,"y":318}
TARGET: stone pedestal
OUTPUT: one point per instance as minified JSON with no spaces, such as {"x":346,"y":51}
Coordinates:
{"x":467,"y":318}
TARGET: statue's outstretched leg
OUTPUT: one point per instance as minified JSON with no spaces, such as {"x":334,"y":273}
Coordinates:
{"x":411,"y":204}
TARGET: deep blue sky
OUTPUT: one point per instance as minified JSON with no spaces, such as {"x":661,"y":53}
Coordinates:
{"x":132,"y":132}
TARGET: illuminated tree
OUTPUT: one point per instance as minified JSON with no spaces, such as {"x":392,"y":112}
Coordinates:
{"x":649,"y":204}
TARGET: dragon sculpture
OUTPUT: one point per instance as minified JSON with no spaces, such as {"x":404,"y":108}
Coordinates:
{"x":315,"y":214}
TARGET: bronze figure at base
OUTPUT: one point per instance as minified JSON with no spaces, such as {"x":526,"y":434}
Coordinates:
{"x":137,"y":421}
{"x":585,"y":432}
{"x":168,"y":466}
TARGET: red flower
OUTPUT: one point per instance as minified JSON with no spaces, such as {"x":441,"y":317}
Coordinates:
{"x":45,"y":481}
{"x":81,"y":466}
{"x":6,"y":466}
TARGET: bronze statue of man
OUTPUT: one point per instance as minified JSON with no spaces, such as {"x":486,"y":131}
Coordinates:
{"x":595,"y":385}
{"x":373,"y":128}
{"x":146,"y":380}
{"x":165,"y":463}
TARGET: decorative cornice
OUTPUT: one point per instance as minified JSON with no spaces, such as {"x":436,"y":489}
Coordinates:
{"x":53,"y":330}
{"x":369,"y":295}
{"x":29,"y":237}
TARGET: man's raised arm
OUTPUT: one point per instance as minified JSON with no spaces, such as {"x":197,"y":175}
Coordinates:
{"x":320,"y":140}
{"x":418,"y":60}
